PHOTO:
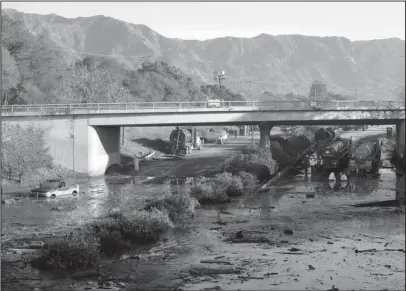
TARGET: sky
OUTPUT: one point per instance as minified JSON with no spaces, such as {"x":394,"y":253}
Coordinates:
{"x":205,"y":20}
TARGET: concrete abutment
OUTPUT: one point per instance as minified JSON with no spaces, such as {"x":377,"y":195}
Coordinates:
{"x":75,"y":145}
{"x":400,"y":173}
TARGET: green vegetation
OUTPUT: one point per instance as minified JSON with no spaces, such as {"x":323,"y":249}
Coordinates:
{"x":235,"y":180}
{"x":205,"y":193}
{"x":252,"y":154}
{"x":177,"y":206}
{"x":115,"y":232}
{"x":70,"y":252}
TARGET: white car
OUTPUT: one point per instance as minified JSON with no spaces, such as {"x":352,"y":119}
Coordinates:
{"x":54,"y":188}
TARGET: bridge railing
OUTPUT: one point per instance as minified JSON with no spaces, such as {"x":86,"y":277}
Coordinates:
{"x":207,"y":105}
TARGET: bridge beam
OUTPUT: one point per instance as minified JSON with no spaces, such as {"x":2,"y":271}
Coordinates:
{"x":265,"y":135}
{"x":400,"y":173}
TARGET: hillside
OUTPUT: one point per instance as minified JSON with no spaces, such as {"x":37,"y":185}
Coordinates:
{"x":40,"y":51}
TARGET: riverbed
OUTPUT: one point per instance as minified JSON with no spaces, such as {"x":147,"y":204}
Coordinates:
{"x":316,"y":217}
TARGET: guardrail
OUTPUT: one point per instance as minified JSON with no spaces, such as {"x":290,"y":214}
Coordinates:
{"x":81,"y":108}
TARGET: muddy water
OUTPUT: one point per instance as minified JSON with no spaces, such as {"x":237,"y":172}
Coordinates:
{"x":28,"y":215}
{"x":326,"y":228}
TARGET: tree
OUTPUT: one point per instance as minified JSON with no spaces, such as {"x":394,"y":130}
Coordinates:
{"x":24,"y":150}
{"x":93,"y":85}
{"x":9,"y":74}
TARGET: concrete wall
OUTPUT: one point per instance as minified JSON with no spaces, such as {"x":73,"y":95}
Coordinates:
{"x":75,"y":145}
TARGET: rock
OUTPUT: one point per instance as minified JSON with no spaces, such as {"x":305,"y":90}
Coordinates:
{"x":310,"y":195}
{"x":311,"y":267}
{"x":294,"y":250}
{"x":288,"y":231}
{"x":330,"y":243}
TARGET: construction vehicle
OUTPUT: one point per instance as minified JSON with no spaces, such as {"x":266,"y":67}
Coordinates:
{"x":183,"y":140}
{"x":214,"y":136}
{"x":335,"y":156}
{"x":365,"y":156}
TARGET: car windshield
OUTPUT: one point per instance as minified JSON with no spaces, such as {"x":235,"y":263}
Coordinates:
{"x":49,"y":184}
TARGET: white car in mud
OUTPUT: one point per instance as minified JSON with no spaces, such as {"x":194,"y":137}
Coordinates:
{"x":55,"y":188}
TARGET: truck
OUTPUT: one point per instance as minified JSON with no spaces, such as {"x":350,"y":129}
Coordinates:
{"x":214,"y":136}
{"x":54,"y":188}
{"x":183,"y":140}
{"x":355,"y":127}
{"x":214,"y":103}
{"x":365,"y":156}
{"x":335,"y":156}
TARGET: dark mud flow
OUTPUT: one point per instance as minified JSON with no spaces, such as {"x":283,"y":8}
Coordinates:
{"x":311,"y":232}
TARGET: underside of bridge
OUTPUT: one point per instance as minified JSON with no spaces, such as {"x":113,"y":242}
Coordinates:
{"x":89,"y":148}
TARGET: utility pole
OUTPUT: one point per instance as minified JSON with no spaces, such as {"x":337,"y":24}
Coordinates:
{"x":219,"y":77}
{"x":355,"y":92}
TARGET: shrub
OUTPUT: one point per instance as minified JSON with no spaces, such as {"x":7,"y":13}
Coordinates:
{"x":248,"y":180}
{"x":178,"y":206}
{"x":252,"y":154}
{"x":117,"y":231}
{"x":227,"y":183}
{"x":148,"y":225}
{"x":70,"y":252}
{"x":204,"y":193}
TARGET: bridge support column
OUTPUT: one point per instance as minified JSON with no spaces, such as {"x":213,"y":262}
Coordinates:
{"x":265,"y":135}
{"x":95,"y":148}
{"x":103,"y":149}
{"x":400,"y":173}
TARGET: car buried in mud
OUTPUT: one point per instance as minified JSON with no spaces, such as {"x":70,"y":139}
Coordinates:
{"x":55,"y":188}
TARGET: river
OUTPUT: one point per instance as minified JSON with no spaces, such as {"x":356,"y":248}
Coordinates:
{"x":325,"y":227}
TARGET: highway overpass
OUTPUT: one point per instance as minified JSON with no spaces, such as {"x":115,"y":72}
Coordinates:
{"x":86,"y":137}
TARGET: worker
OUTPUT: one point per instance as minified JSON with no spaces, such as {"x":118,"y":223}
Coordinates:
{"x":235,"y":134}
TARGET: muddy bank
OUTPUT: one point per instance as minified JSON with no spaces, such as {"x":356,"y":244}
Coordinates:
{"x":285,"y":231}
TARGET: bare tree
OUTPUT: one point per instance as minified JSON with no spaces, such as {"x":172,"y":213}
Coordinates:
{"x":24,"y":150}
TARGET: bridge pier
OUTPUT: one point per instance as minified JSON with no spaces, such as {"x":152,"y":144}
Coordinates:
{"x":103,"y":149}
{"x":265,"y":135}
{"x":400,"y":173}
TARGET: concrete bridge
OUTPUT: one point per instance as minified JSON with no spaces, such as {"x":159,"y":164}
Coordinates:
{"x":86,"y":137}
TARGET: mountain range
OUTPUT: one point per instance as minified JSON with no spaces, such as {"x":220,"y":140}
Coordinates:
{"x":48,"y":45}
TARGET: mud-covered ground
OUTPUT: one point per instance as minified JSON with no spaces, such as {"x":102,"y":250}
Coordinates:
{"x":305,"y":233}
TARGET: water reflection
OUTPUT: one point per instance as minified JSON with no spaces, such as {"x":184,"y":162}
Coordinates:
{"x":99,"y":195}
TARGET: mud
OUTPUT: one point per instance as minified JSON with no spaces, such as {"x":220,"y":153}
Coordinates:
{"x":303,"y":233}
